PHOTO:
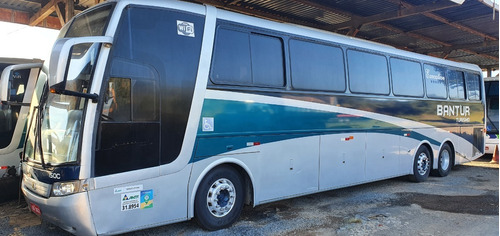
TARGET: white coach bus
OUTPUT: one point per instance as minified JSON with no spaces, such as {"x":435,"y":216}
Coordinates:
{"x":17,"y":85}
{"x":164,"y":111}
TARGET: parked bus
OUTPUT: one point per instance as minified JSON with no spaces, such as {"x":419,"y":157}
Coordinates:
{"x":164,"y":111}
{"x":491,"y":88}
{"x":17,"y":82}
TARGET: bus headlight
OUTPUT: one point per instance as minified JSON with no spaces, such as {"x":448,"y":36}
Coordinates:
{"x":65,"y":188}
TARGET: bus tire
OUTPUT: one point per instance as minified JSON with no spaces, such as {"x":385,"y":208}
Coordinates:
{"x":421,"y":165}
{"x":445,"y":162}
{"x":219,"y":199}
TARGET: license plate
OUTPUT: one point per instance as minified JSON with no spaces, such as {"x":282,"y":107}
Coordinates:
{"x":35,"y":209}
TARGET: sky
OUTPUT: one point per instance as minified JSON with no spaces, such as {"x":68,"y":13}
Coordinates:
{"x":23,"y":41}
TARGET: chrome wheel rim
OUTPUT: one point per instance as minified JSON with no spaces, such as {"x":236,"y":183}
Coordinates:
{"x":221,"y":197}
{"x":422,"y":164}
{"x":444,"y":160}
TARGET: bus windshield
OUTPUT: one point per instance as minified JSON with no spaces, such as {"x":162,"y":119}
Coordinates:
{"x":54,"y":137}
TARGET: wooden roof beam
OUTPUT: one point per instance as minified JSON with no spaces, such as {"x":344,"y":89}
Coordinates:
{"x":446,"y":21}
{"x":459,"y":46}
{"x":410,"y":34}
{"x":381,"y":25}
{"x":389,"y":27}
{"x":315,"y":4}
{"x":44,"y":12}
{"x":419,"y":36}
{"x":480,"y":54}
{"x":293,"y":19}
{"x":460,"y":26}
{"x":410,"y":11}
{"x":59,"y":14}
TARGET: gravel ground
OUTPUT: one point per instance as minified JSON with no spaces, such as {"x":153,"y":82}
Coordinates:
{"x":464,"y":203}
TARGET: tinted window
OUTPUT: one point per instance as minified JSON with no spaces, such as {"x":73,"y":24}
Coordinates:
{"x":90,"y":24}
{"x":435,"y":81}
{"x":130,"y":100}
{"x":155,"y":65}
{"x":144,"y":104}
{"x":367,"y":73}
{"x":18,"y":83}
{"x":231,"y":64}
{"x":491,"y":87}
{"x":9,"y":113}
{"x":317,"y":66}
{"x":267,"y":60}
{"x":456,"y":85}
{"x":473,"y":88}
{"x":407,"y":78}
{"x":241,"y":58}
{"x":117,"y":101}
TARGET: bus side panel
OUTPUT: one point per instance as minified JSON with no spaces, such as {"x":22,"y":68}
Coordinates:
{"x":407,"y":148}
{"x":288,"y":168}
{"x":472,"y":143}
{"x":382,"y":156}
{"x":279,"y":170}
{"x":140,"y":204}
{"x":342,"y":160}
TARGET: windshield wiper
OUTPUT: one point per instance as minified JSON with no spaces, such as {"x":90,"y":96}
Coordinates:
{"x":23,"y":158}
{"x":38,"y":135}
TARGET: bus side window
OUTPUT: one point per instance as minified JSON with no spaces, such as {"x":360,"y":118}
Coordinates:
{"x":18,"y":84}
{"x":117,"y":102}
{"x":435,"y":81}
{"x":368,"y":73}
{"x":129,"y":128}
{"x":248,"y":59}
{"x":316,"y":66}
{"x":406,"y":78}
{"x":144,"y":105}
{"x":456,"y":85}
{"x":473,"y":88}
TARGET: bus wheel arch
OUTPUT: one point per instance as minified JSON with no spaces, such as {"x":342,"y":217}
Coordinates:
{"x":422,"y":163}
{"x":445,"y":160}
{"x":221,"y":194}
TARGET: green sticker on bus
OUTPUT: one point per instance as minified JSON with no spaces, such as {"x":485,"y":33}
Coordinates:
{"x":147,"y":199}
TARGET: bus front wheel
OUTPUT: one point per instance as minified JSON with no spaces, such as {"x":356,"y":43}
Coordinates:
{"x":445,"y":162}
{"x":421,"y":165}
{"x":219,"y":199}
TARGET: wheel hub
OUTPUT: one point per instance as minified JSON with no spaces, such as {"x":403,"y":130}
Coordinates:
{"x":422,"y":164}
{"x":445,"y":160}
{"x":221,"y":197}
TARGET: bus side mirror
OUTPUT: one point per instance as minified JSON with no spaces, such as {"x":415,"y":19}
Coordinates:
{"x":8,"y":76}
{"x":61,"y":55}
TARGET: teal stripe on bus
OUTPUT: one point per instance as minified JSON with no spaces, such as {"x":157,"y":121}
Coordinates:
{"x":235,"y":117}
{"x":238,"y":123}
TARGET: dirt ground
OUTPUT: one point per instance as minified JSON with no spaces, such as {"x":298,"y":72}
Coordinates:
{"x":464,"y":203}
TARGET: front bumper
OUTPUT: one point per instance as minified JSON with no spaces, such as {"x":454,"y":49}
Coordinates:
{"x":71,"y":213}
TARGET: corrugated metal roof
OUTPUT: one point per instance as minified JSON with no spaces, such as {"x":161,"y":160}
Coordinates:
{"x":465,"y":33}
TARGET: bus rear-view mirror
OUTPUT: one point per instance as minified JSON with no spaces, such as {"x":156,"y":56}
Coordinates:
{"x":68,"y":51}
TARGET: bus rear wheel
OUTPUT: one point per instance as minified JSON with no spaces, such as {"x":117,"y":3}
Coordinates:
{"x":421,"y":165}
{"x":219,"y":199}
{"x":445,"y":162}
